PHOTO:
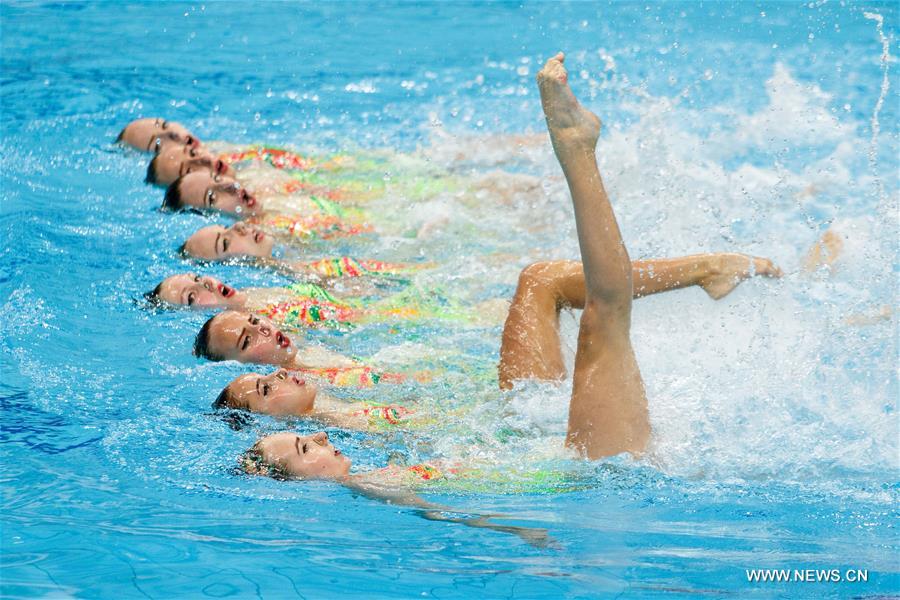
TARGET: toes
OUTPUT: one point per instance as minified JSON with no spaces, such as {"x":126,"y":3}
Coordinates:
{"x":553,"y":69}
{"x":766,"y":267}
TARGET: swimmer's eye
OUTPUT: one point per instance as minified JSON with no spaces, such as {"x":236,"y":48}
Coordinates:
{"x":265,"y":389}
{"x":246,"y":343}
{"x":304,"y":448}
{"x":225,"y":244}
{"x":210,"y":198}
{"x":191,"y":299}
{"x":165,"y":124}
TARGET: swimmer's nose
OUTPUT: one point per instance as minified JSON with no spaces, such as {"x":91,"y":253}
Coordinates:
{"x":240,"y":228}
{"x":281,"y":374}
{"x":321,"y":438}
{"x":265,"y":330}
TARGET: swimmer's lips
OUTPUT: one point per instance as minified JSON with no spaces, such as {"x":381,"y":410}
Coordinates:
{"x":221,"y":167}
{"x":226,"y":291}
{"x":282,"y":340}
{"x":247,"y":198}
{"x":258,"y":236}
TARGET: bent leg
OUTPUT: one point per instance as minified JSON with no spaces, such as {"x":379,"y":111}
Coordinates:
{"x":531,"y":347}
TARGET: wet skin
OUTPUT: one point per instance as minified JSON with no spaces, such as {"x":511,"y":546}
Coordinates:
{"x":208,"y":191}
{"x":149,"y":135}
{"x":248,"y":338}
{"x":280,"y":393}
{"x":220,"y":243}
{"x":199,"y":291}
{"x":176,"y":160}
{"x":304,"y":456}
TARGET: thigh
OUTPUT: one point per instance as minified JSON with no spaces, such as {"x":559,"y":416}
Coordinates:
{"x":531,"y":347}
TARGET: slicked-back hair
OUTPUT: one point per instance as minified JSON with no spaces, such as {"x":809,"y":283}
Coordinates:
{"x":153,"y":296}
{"x":201,"y":343}
{"x":172,"y":199}
{"x":224,"y":400}
{"x":151,"y":172}
{"x":252,"y":462}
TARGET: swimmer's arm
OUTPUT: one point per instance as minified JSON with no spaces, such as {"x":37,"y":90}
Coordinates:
{"x":437,"y":512}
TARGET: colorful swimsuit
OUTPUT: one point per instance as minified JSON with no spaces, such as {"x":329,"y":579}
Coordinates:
{"x":275,"y":157}
{"x":310,"y":227}
{"x":338,"y":177}
{"x":346,"y":266}
{"x":416,"y":474}
{"x":311,"y":306}
{"x":383,"y":415}
{"x":359,"y":376}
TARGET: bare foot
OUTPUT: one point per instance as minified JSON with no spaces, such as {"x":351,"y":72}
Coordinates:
{"x":571,"y":125}
{"x":825,"y":252}
{"x":885,"y":313}
{"x":728,"y":270}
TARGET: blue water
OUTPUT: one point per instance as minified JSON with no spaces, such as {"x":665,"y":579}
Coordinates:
{"x":747,"y":127}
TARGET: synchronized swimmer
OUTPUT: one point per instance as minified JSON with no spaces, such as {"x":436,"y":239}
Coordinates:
{"x":608,"y":413}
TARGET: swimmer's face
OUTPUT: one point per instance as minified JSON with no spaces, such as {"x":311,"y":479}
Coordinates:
{"x":175,"y":160}
{"x":205,"y":190}
{"x":198,"y":291}
{"x":220,"y":243}
{"x":247,"y":338}
{"x":149,"y":135}
{"x":280,"y":394}
{"x":304,"y":456}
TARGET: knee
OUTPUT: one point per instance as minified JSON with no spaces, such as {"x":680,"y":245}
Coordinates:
{"x":602,"y":317}
{"x":542,"y":272}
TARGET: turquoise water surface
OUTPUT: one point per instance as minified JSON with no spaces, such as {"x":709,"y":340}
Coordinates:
{"x":750,"y":127}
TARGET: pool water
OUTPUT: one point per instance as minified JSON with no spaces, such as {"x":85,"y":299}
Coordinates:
{"x":740,"y":127}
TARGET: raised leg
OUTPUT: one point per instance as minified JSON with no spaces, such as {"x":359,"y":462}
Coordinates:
{"x":608,"y":412}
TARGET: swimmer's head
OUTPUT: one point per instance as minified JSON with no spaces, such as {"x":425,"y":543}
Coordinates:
{"x":174,"y":160}
{"x":280,"y":394}
{"x":288,"y":455}
{"x":221,"y":243}
{"x":208,"y":191}
{"x":148,"y":135}
{"x":243,"y":337}
{"x":196,"y":291}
